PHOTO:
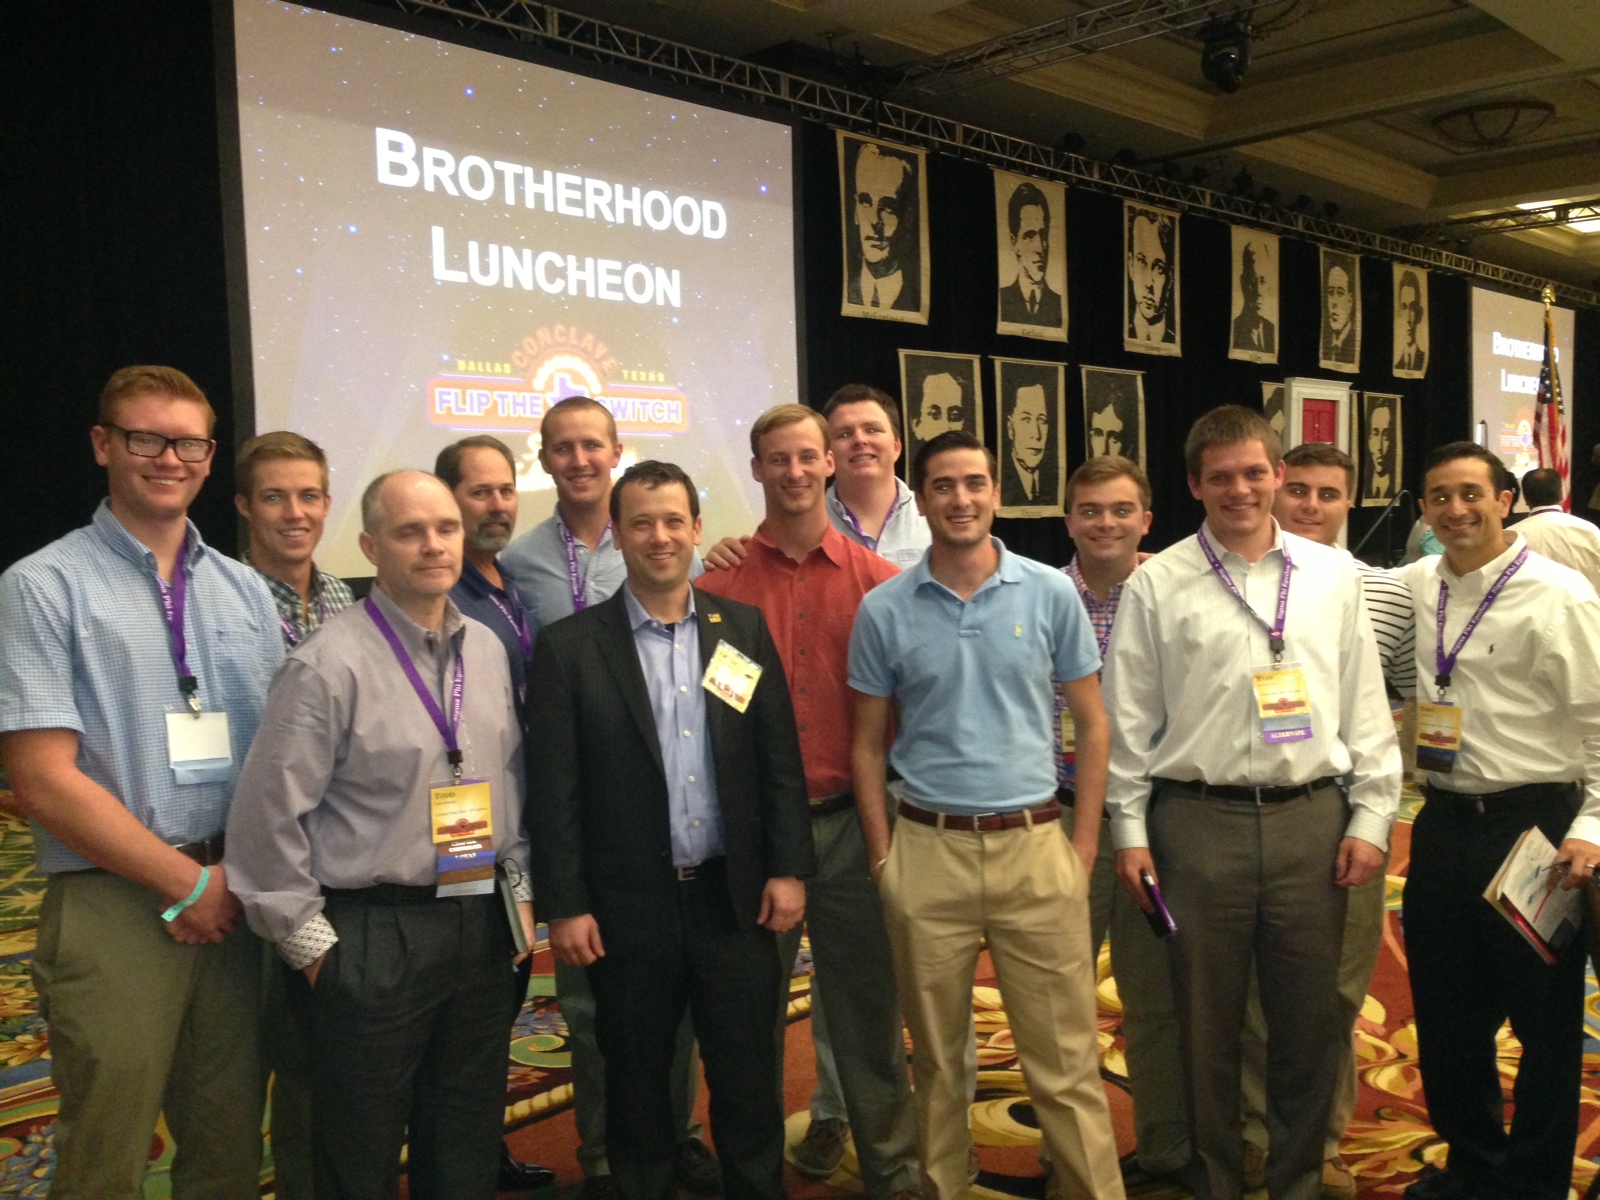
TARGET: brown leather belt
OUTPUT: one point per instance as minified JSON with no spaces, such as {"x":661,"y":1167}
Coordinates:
{"x":1019,"y":818}
{"x":208,"y":853}
{"x":836,"y":802}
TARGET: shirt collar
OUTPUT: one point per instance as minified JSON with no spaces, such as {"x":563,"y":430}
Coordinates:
{"x":453,"y":628}
{"x":477,"y":582}
{"x":1543,"y":508}
{"x":1009,"y":570}
{"x":1073,"y":573}
{"x":1491,"y":569}
{"x":319,"y":578}
{"x":888,"y":287}
{"x":115,"y":535}
{"x":1223,"y":552}
{"x":832,"y":546}
{"x":638,"y":618}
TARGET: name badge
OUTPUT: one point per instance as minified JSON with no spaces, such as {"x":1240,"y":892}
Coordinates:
{"x":731,"y":677}
{"x":1282,"y":703}
{"x":463,"y":837}
{"x":199,"y":747}
{"x":1438,"y":736}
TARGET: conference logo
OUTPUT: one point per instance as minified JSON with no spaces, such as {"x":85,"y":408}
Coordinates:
{"x":551,"y":364}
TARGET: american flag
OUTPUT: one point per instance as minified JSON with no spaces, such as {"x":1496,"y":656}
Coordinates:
{"x":1549,"y":423}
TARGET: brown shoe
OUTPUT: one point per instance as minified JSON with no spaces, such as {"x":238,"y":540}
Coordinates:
{"x":1337,"y":1182}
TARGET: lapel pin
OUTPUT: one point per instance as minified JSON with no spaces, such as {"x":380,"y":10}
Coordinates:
{"x":714,"y":618}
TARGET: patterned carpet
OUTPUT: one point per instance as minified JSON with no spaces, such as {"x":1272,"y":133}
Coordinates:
{"x":1388,"y":1142}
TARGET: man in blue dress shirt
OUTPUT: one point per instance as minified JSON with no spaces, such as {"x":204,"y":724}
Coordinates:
{"x":135,"y":671}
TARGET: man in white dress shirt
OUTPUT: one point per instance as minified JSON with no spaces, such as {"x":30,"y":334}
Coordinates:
{"x":1242,"y":679}
{"x":1555,"y":533}
{"x":1516,"y":694}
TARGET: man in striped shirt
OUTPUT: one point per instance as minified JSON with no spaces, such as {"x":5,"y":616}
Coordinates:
{"x":1314,"y":502}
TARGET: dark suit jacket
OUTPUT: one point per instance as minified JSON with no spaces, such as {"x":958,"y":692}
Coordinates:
{"x":1012,"y":493}
{"x":910,"y":297}
{"x":1244,"y":334}
{"x":1416,"y":359}
{"x":1014,"y":308}
{"x":597,"y":794}
{"x":1339,"y":351}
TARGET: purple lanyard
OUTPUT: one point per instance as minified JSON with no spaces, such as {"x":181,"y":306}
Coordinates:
{"x":447,"y":729}
{"x":172,"y":606}
{"x":518,"y":617}
{"x":871,"y":543}
{"x":575,"y":581}
{"x":1446,"y":663}
{"x":293,"y":638}
{"x":1275,"y":630}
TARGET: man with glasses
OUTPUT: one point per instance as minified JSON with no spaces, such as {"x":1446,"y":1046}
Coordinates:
{"x":135,"y":671}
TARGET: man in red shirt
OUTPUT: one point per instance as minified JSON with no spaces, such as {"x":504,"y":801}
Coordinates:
{"x":808,"y":580}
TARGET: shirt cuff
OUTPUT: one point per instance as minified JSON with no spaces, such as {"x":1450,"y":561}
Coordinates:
{"x":1585,"y":827}
{"x":522,"y":889}
{"x":1129,"y":833}
{"x":308,"y":943}
{"x":1369,"y":827}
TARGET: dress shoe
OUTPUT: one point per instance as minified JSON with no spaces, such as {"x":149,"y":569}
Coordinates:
{"x":1436,"y":1184}
{"x":697,"y":1170}
{"x":819,"y":1153}
{"x":520,"y":1176}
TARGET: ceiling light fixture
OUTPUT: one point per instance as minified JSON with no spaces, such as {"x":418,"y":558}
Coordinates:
{"x":1493,"y":124}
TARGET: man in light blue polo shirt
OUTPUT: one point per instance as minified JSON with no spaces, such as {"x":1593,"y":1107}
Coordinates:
{"x":133,"y":679}
{"x":967,"y":643}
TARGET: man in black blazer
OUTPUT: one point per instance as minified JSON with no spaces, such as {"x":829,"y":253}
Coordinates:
{"x":671,"y":834}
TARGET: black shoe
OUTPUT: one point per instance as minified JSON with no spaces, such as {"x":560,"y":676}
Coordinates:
{"x":520,"y":1176}
{"x":1434,"y":1184}
{"x":697,"y":1170}
{"x":600,"y":1187}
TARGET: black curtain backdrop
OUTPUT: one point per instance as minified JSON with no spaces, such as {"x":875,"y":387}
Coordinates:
{"x":113,"y":212}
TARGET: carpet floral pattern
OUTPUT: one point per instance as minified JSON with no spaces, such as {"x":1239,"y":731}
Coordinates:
{"x":1389,"y":1141}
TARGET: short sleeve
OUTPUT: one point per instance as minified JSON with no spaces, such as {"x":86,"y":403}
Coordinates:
{"x":870,"y":670}
{"x":1076,"y":654}
{"x":36,"y":670}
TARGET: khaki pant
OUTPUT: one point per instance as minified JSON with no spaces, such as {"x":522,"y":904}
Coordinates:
{"x":1025,"y":893}
{"x":140,"y":1024}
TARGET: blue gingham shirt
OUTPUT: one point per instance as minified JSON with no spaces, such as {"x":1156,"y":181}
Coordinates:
{"x":669,"y":656}
{"x":87,"y":649}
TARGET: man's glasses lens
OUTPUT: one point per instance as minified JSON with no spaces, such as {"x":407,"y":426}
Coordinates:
{"x":153,"y":445}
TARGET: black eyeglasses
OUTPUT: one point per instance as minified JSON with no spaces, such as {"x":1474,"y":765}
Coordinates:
{"x":152,"y":445}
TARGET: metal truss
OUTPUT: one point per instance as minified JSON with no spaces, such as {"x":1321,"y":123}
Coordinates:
{"x":1548,"y":217}
{"x":1082,"y":33}
{"x":588,"y":39}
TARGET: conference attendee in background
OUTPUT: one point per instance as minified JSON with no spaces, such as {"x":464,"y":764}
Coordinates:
{"x":1108,"y":513}
{"x":397,"y":718}
{"x":482,"y":476}
{"x":671,"y":837}
{"x":134,"y":675}
{"x":1314,"y":502}
{"x":281,"y":491}
{"x":1515,"y":719}
{"x":1251,"y":329}
{"x":1551,"y":531}
{"x":978,"y":855}
{"x":1242,"y":681}
{"x":1030,"y":300}
{"x":566,"y":564}
{"x":1408,"y":355}
{"x":887,"y":271}
{"x":808,"y":580}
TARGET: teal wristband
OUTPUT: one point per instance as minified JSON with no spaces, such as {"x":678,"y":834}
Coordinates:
{"x":199,"y":889}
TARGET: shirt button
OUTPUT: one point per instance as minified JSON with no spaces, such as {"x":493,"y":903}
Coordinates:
{"x":685,"y":733}
{"x":802,"y":691}
{"x":800,"y":616}
{"x":691,"y":779}
{"x":682,"y":688}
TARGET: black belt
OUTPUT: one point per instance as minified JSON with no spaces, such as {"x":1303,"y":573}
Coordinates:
{"x":1018,"y":818}
{"x":390,"y":893}
{"x":835,"y":802}
{"x":207,"y":852}
{"x":1240,"y":793}
{"x":701,"y":870}
{"x":1515,"y":797}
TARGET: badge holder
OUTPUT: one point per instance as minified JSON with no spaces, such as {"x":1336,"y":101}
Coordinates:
{"x":731,"y":676}
{"x":1283,"y":703}
{"x":199,"y":743}
{"x":463,"y":837}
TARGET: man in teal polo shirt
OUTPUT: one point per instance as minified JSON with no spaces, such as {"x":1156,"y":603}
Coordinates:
{"x":967,"y":643}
